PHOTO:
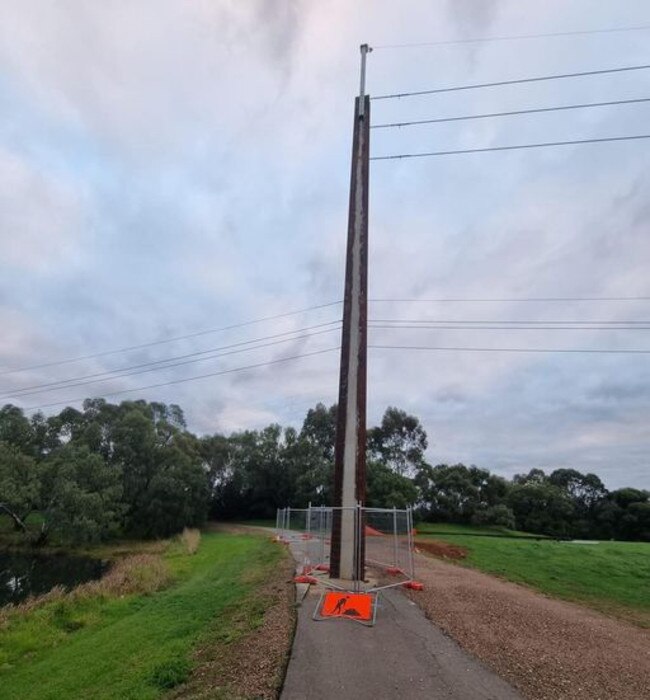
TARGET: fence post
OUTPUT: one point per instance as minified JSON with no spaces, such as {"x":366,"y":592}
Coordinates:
{"x":359,"y":566}
{"x":321,"y":536}
{"x":307,"y":541}
{"x":395,"y":543}
{"x":411,"y":543}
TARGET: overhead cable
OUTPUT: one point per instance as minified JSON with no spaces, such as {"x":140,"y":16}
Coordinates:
{"x":205,"y":353}
{"x":437,"y":327}
{"x":170,"y":340}
{"x":26,"y":392}
{"x":546,"y":144}
{"x":191,"y":379}
{"x":524,"y":350}
{"x":516,"y":81}
{"x":512,"y":37}
{"x":537,"y":110}
{"x":529,"y":321}
{"x":490,"y":300}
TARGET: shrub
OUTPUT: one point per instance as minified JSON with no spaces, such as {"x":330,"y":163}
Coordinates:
{"x":499,"y":515}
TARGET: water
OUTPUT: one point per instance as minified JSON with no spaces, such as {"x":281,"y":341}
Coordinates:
{"x":24,"y":573}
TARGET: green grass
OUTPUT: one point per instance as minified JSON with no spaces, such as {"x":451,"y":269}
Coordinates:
{"x":137,"y":646}
{"x":453,"y":529}
{"x":613,"y":577}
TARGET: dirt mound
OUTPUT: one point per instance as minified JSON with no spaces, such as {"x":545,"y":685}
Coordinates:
{"x":441,"y":549}
{"x":372,"y":532}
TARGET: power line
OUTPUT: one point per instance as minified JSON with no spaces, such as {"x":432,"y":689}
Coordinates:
{"x":436,"y":327}
{"x":191,"y":379}
{"x":538,"y":110}
{"x":514,"y":37}
{"x":429,"y":320}
{"x":396,"y":324}
{"x":533,"y":350}
{"x":517,"y":81}
{"x":55,"y":386}
{"x":508,"y":299}
{"x":170,"y":340}
{"x":312,"y":308}
{"x":208,"y":353}
{"x":511,"y":148}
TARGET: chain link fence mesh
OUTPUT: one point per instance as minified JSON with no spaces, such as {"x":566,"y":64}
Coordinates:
{"x":388,"y":539}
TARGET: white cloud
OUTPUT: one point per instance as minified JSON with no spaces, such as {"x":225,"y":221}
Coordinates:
{"x":41,"y":217}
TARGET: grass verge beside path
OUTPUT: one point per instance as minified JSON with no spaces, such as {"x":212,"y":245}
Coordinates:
{"x":478,"y":530}
{"x":613,"y":577}
{"x":140,"y":646}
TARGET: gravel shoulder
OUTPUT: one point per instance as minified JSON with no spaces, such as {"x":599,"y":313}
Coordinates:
{"x":549,"y":649}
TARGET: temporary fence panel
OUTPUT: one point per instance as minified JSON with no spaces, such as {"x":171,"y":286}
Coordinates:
{"x":389,"y":542}
{"x":388,"y":539}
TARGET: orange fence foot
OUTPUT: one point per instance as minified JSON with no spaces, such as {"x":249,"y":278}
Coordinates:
{"x":414,"y":585}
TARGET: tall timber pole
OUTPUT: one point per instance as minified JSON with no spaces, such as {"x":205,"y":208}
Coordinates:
{"x":348,"y":538}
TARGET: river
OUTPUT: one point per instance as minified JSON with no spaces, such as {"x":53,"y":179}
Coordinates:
{"x":26,"y":573}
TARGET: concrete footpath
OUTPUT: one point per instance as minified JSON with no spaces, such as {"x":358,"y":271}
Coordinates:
{"x":402,"y":656}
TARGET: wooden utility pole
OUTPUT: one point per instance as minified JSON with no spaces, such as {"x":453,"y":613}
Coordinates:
{"x":347,"y":554}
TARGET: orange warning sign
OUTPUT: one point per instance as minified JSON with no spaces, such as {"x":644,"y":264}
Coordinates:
{"x":355,"y":606}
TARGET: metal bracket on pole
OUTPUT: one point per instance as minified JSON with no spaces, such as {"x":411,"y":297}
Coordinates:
{"x":365,"y":50}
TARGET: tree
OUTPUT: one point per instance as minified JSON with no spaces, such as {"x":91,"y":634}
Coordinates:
{"x":447,"y":492}
{"x":534,"y":476}
{"x":632,"y":513}
{"x":15,"y":429}
{"x":584,"y":489}
{"x":399,"y":442}
{"x":319,"y":429}
{"x":308,"y":466}
{"x":215,"y":456}
{"x":80,"y":496}
{"x":541,"y":508}
{"x":458,"y":493}
{"x":500,"y":515}
{"x":176,"y":496}
{"x":388,"y":489}
{"x":45,"y":434}
{"x":165,"y":484}
{"x":19,"y":485}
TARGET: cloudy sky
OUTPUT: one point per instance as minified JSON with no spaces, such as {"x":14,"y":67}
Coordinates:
{"x":173,"y":167}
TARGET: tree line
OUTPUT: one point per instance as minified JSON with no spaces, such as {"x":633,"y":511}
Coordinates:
{"x":134,"y":469}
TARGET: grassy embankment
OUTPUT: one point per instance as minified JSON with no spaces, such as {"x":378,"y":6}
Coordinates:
{"x":613,"y":577}
{"x":136,"y":635}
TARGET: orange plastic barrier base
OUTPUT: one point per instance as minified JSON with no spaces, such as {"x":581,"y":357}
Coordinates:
{"x":353,"y":606}
{"x":304,"y":579}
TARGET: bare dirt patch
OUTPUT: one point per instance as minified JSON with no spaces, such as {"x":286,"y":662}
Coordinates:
{"x":441,"y":549}
{"x":249,"y":661}
{"x":549,"y":649}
